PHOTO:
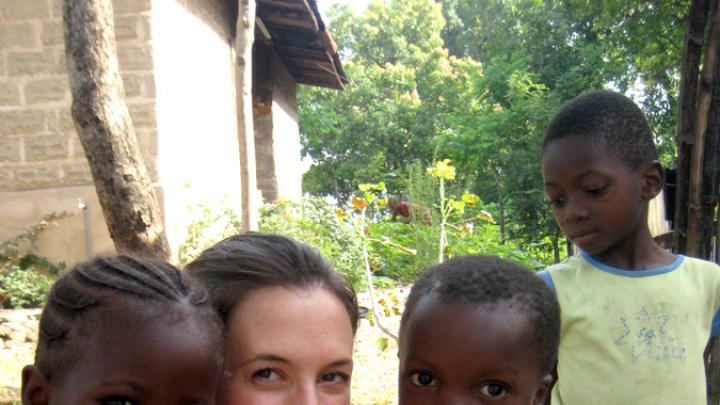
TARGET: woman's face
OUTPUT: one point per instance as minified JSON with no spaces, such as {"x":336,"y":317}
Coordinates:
{"x":288,"y":346}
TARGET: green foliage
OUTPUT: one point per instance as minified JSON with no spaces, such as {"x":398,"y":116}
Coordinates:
{"x":321,"y":225}
{"x":23,"y":287}
{"x":211,"y":223}
{"x":26,"y":278}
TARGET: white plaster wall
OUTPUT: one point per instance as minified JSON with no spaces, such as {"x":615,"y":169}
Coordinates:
{"x":286,"y":134}
{"x":197,"y":144}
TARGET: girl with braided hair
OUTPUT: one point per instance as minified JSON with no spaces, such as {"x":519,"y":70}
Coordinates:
{"x":124,"y":331}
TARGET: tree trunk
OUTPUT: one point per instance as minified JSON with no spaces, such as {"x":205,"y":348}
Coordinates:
{"x":711,"y":173}
{"x":106,"y":131}
{"x":244,"y":40}
{"x":694,"y":39}
{"x":707,"y":80}
{"x":501,"y":202}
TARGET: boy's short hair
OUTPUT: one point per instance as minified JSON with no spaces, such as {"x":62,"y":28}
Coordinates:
{"x":492,"y":281}
{"x":608,"y":117}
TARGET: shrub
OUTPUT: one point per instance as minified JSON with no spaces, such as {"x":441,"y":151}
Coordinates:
{"x":26,"y":278}
{"x":23,"y":288}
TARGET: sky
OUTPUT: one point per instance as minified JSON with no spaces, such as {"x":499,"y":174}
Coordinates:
{"x":357,"y":5}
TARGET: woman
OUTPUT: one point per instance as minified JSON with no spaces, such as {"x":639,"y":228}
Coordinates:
{"x":289,"y":321}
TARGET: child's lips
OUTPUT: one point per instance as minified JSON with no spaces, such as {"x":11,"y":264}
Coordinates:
{"x":581,"y":235}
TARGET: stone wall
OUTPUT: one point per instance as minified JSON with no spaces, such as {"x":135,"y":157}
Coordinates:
{"x":42,"y":163}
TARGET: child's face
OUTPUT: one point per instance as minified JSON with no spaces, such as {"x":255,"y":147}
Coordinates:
{"x":454,"y":353}
{"x":599,"y":202}
{"x":132,"y":360}
{"x":288,"y":346}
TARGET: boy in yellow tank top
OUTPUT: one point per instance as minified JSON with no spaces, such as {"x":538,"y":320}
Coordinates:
{"x":635,"y":319}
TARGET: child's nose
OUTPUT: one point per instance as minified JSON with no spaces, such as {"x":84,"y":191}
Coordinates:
{"x":575,"y":211}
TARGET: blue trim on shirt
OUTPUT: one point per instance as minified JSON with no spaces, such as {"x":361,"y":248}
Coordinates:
{"x":634,"y":273}
{"x":545,"y":276}
{"x":715,"y":329}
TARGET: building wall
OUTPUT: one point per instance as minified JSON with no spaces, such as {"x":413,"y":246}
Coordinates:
{"x":198,"y":160}
{"x":277,"y":135}
{"x":42,"y":164}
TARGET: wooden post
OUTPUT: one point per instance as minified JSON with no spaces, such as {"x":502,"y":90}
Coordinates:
{"x":694,"y":39}
{"x":244,"y":40}
{"x":707,"y":80}
{"x":106,"y":132}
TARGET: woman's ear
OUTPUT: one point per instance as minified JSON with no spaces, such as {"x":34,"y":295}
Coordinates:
{"x":653,"y":180}
{"x":35,"y":387}
{"x":542,"y":395}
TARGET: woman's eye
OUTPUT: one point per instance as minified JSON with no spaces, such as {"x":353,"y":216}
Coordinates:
{"x":267,"y":375}
{"x":335,"y":378}
{"x":117,"y":401}
{"x":492,"y":390}
{"x":423,"y":379}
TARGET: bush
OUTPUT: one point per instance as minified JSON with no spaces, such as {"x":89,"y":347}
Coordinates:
{"x":23,"y":288}
{"x":211,"y":223}
{"x":26,"y":278}
{"x":317,"y":223}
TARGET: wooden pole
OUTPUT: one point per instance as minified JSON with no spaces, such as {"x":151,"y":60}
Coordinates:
{"x":694,"y":39}
{"x":244,"y":40}
{"x":106,"y":132}
{"x":707,"y":80}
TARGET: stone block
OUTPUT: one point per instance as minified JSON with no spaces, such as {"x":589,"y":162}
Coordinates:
{"x":35,"y":176}
{"x":21,"y":122}
{"x":5,"y":178}
{"x":135,"y":58}
{"x":143,"y":115}
{"x":128,"y":28}
{"x":131,"y":6}
{"x":133,"y":85}
{"x":76,"y":147}
{"x":31,"y":63}
{"x":20,"y":35}
{"x":46,"y":90}
{"x":56,"y":8}
{"x":150,"y":86}
{"x":10,"y":150}
{"x":9,"y":94}
{"x":147,"y":142}
{"x":76,"y":173}
{"x":60,"y":120}
{"x":24,"y":9}
{"x":44,"y":148}
{"x":52,"y":33}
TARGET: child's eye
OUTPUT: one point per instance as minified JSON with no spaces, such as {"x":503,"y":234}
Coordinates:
{"x":117,"y":401}
{"x":595,"y":191}
{"x":556,"y":202}
{"x":267,"y":375}
{"x":423,"y":379}
{"x":493,"y":390}
{"x":335,"y":378}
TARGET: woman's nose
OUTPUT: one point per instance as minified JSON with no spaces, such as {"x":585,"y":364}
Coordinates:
{"x":306,"y":394}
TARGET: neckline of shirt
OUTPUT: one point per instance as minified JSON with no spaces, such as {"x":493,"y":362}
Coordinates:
{"x":634,"y":273}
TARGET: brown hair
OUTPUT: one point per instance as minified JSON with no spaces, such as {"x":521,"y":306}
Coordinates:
{"x":240,"y":264}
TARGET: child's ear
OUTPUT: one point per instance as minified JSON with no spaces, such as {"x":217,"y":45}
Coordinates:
{"x":542,"y":395}
{"x":653,"y":180}
{"x":35,"y":387}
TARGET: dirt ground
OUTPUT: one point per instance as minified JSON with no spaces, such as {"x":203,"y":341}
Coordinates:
{"x":374,"y":376}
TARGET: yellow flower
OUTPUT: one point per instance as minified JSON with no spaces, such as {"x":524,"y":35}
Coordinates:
{"x":470,"y":199}
{"x":340,"y":214}
{"x":359,"y":203}
{"x":442,"y":169}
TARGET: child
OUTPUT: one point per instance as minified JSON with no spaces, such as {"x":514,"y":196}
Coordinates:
{"x":475,"y":330}
{"x":635,"y":318}
{"x":121,"y":331}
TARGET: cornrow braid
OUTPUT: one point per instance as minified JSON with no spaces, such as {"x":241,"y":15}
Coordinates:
{"x":92,"y":284}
